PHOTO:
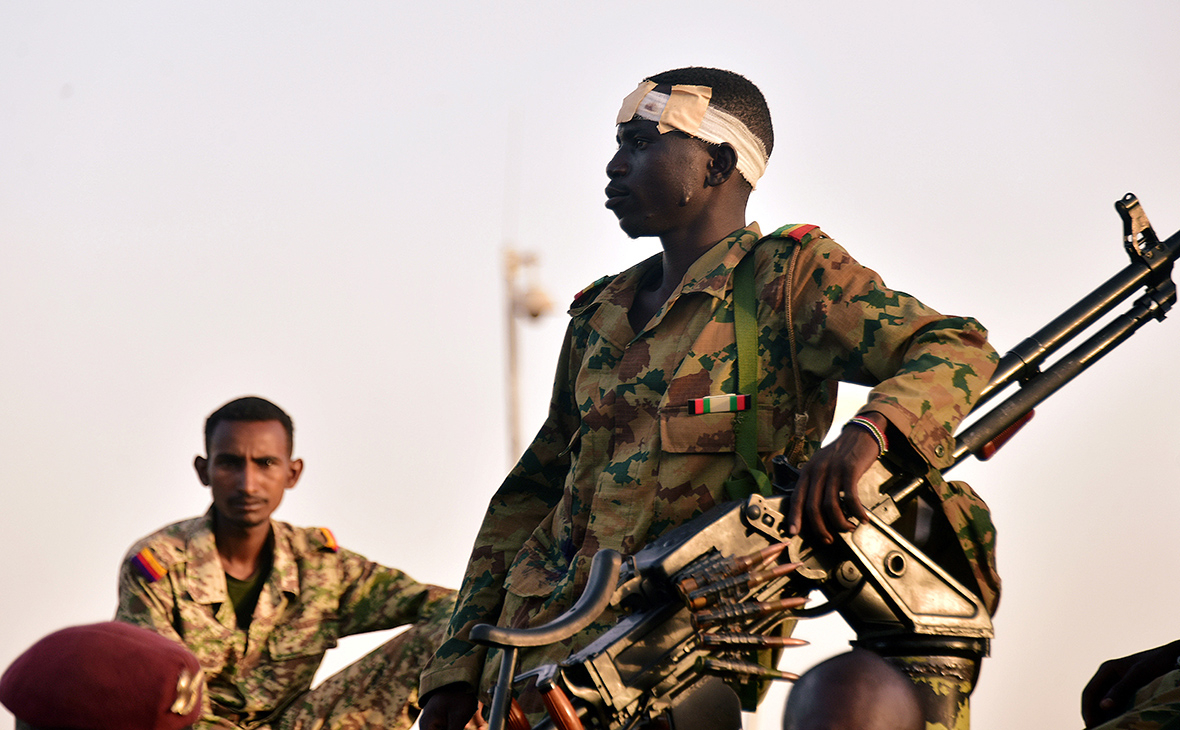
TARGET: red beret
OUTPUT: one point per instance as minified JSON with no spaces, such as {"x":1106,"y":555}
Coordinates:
{"x":108,"y":676}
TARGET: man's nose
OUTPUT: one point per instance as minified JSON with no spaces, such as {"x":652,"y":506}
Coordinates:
{"x":617,"y":167}
{"x":251,"y":478}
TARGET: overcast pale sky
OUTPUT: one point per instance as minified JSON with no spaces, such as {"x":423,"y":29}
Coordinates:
{"x":310,"y":201}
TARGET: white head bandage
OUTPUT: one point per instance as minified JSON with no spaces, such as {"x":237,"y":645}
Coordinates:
{"x":687,"y":109}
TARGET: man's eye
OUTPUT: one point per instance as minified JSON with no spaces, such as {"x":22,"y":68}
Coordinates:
{"x":269,"y":462}
{"x":639,"y":143}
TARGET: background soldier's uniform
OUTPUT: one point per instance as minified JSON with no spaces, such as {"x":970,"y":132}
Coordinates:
{"x":173,"y":583}
{"x":621,"y":459}
{"x":1156,"y":707}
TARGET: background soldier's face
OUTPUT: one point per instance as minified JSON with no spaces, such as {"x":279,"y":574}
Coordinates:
{"x":248,"y":468}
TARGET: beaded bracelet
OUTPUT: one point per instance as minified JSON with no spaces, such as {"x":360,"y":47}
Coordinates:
{"x":871,"y":427}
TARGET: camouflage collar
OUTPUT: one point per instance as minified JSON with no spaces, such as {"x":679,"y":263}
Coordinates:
{"x":709,"y":274}
{"x":621,"y":288}
{"x":712,"y":273}
{"x":284,"y":573}
{"x":206,"y":577}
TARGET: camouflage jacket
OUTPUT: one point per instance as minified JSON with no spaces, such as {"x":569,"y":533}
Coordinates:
{"x":172,"y":582}
{"x":622,"y":458}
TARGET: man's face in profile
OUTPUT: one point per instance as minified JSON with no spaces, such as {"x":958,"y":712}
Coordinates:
{"x":655,"y":179}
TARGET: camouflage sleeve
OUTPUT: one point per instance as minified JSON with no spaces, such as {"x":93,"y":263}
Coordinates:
{"x":925,"y":369}
{"x":377,"y":597}
{"x":150,"y":604}
{"x":523,"y":501}
{"x":144,"y":603}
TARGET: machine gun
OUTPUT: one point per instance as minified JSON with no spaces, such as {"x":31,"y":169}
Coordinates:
{"x":702,"y":599}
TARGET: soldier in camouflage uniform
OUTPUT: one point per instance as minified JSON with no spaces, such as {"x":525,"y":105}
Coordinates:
{"x":1136,"y":692}
{"x":629,"y":449}
{"x":259,"y":602}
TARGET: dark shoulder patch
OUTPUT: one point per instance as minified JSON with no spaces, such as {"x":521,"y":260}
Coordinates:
{"x":585,"y":295}
{"x":148,"y":565}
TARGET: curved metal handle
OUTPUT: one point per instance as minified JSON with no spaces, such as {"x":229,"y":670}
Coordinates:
{"x":604,"y":575}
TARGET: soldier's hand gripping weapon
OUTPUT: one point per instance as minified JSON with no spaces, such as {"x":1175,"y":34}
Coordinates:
{"x":702,"y":600}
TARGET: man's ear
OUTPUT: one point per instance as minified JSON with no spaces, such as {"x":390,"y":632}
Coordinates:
{"x":201,"y":464}
{"x":722,"y":165}
{"x":296,"y":472}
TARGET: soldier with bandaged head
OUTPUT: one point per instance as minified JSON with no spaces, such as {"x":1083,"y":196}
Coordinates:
{"x":651,"y":424}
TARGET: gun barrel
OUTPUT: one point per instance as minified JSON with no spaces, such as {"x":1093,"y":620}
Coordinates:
{"x":1035,"y":388}
{"x":1024,"y":360}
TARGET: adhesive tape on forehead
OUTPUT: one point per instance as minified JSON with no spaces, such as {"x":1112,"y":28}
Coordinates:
{"x":687,"y":109}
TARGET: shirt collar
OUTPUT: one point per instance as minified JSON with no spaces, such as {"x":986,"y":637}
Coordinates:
{"x":711,"y":273}
{"x":284,"y":573}
{"x":206,"y":577}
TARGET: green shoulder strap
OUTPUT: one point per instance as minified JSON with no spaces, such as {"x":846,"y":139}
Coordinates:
{"x":750,"y":476}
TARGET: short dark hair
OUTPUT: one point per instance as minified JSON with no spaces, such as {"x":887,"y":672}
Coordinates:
{"x":732,"y":92}
{"x":250,"y":408}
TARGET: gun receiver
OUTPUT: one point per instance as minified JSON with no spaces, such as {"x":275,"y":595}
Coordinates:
{"x":701,"y":598}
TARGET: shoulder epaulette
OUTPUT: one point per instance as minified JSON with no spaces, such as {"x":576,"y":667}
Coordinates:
{"x":147,"y":565}
{"x":329,"y":540}
{"x":588,"y":290}
{"x":796,"y":231}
